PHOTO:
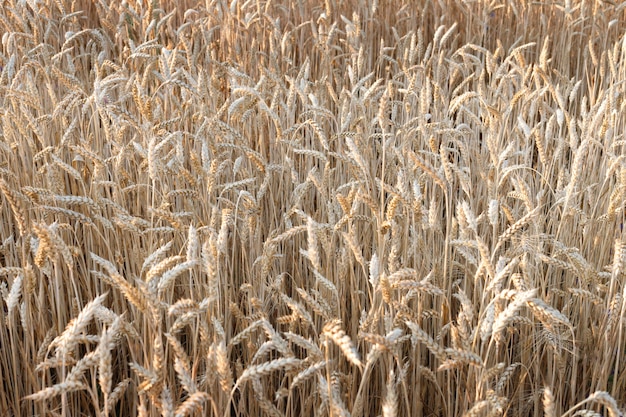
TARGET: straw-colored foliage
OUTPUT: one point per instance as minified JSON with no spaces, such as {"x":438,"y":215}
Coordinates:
{"x":301,"y":208}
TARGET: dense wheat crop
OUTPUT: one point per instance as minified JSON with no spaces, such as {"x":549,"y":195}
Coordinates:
{"x":246,"y":208}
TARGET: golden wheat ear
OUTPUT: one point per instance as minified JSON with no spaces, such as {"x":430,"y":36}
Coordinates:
{"x":347,"y":208}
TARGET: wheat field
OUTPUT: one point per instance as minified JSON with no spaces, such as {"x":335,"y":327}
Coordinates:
{"x":291,"y":208}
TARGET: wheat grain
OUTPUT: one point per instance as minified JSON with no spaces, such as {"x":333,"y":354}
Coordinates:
{"x":422,"y":336}
{"x":258,"y":371}
{"x":548,"y":403}
{"x":168,"y":277}
{"x":105,"y":367}
{"x":50,"y":392}
{"x":67,"y":340}
{"x":441,"y":175}
{"x":12,"y":198}
{"x":194,"y":402}
{"x":160,"y":268}
{"x":390,"y":405}
{"x":505,"y":317}
{"x":334,"y":332}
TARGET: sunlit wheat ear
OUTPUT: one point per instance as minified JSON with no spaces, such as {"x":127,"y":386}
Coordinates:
{"x":354,"y":247}
{"x":163,"y":266}
{"x":333,"y":331}
{"x":486,"y":324}
{"x":546,"y":313}
{"x":548,"y":403}
{"x":314,"y":353}
{"x":167,"y":403}
{"x":258,"y":371}
{"x":374,"y":271}
{"x":43,"y":246}
{"x":338,"y":406}
{"x":421,"y":336}
{"x":222,"y":238}
{"x":209,"y":257}
{"x":390,"y":405}
{"x":601,"y":397}
{"x":70,"y":336}
{"x":13,"y":297}
{"x":157,"y":255}
{"x":167,"y":279}
{"x":312,"y":249}
{"x":117,"y":393}
{"x":59,"y":245}
{"x":142,"y":411}
{"x":54,"y":391}
{"x":223,"y":367}
{"x":192,"y":149}
{"x":308,"y":373}
{"x":135,"y":296}
{"x":298,"y":310}
{"x":504,"y":318}
{"x":193,"y":403}
{"x":193,"y":245}
{"x":105,"y":365}
{"x":108,"y":317}
{"x":493,"y":213}
{"x":317,"y":304}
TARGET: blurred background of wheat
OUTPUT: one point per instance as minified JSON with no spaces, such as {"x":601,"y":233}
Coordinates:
{"x":280,"y":208}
